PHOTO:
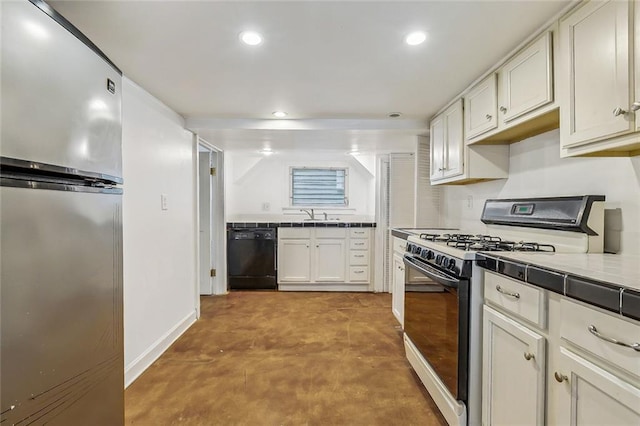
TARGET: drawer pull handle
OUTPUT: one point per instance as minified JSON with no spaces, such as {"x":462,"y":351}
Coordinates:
{"x":529,"y":356}
{"x":560,"y":377}
{"x":508,"y":293}
{"x":358,"y":272}
{"x":593,"y":330}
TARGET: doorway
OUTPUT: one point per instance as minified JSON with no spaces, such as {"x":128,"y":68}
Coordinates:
{"x":211,"y":233}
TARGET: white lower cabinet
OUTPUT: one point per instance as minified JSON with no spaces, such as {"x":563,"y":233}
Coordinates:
{"x":330,"y":260}
{"x":556,"y":364}
{"x":513,"y":372}
{"x":397,"y":291}
{"x":592,"y":396}
{"x":294,"y":260}
{"x":319,"y":259}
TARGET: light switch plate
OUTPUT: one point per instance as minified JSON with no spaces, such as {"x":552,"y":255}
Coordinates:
{"x":266,"y":207}
{"x":163,"y":202}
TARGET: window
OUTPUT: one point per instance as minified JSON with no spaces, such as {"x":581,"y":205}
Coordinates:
{"x":319,"y":187}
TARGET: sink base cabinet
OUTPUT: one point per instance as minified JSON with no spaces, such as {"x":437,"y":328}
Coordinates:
{"x":324,"y":259}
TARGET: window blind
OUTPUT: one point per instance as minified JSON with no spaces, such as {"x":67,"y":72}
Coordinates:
{"x":318,"y":187}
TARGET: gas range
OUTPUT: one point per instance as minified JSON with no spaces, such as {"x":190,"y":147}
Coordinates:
{"x":443,"y":294}
{"x":560,"y":224}
{"x":454,"y":251}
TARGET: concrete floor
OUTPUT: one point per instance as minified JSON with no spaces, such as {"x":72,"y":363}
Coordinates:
{"x":279,"y":358}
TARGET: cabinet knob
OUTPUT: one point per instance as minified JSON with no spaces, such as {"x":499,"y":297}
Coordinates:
{"x":489,"y":116}
{"x":560,"y":377}
{"x":503,"y":110}
{"x":529,"y":356}
{"x":635,"y":106}
{"x":317,"y":245}
{"x":619,"y":111}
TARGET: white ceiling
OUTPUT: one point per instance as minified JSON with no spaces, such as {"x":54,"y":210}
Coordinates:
{"x":320,"y":60}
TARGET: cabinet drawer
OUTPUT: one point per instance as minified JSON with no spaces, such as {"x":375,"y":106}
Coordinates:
{"x":520,"y":299}
{"x":359,"y":274}
{"x":399,"y":245}
{"x":294,"y":233}
{"x":359,"y":233}
{"x":580,"y":323}
{"x":358,"y":244}
{"x":359,"y":257}
{"x":331,"y":233}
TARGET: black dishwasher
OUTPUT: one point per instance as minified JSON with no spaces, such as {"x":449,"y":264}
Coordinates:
{"x":251,"y":258}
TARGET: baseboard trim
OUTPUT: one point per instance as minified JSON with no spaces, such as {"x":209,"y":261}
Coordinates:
{"x":323,"y":287}
{"x":148,"y":357}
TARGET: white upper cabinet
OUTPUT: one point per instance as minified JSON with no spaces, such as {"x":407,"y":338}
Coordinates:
{"x":437,"y":133}
{"x":454,"y":148}
{"x":453,"y":161}
{"x":516,"y":101}
{"x":594,"y":77}
{"x":480,"y":105}
{"x":525,"y":81}
{"x":447,"y":143}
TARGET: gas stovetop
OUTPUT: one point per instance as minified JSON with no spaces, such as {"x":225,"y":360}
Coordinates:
{"x":486,"y":243}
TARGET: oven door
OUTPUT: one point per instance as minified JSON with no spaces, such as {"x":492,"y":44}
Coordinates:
{"x":437,"y":321}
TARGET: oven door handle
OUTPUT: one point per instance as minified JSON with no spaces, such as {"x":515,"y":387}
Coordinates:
{"x":432,"y":273}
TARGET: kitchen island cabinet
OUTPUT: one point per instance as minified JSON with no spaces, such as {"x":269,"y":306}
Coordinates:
{"x":324,"y":259}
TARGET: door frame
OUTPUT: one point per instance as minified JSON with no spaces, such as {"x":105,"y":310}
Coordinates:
{"x":218,"y":226}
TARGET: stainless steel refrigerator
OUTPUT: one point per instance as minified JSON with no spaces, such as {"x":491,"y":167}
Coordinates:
{"x":61,"y":359}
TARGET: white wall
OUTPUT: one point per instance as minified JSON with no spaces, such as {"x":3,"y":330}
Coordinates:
{"x":252,"y":179}
{"x":536,"y":169}
{"x":159,"y":245}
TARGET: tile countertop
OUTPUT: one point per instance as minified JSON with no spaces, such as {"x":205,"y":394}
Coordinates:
{"x":616,"y":269}
{"x":405,"y":233}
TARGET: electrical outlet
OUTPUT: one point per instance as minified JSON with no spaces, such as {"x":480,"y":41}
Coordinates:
{"x":163,"y":202}
{"x":469,"y":202}
{"x":266,"y":207}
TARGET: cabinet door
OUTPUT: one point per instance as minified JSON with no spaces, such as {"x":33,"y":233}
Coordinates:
{"x":294,"y":260}
{"x":592,"y":396}
{"x":397,"y":293}
{"x":480,"y":105}
{"x":330,"y":261}
{"x":513,"y":372}
{"x":526,"y":80}
{"x":436,"y":132}
{"x":454,"y":146}
{"x":594,"y":75}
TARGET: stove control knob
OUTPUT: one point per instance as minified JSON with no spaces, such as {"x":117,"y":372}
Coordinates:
{"x":430,"y":255}
{"x":417,"y":250}
{"x":439,"y":259}
{"x":409,"y":247}
{"x":452,"y":264}
{"x":424,"y":253}
{"x":444,"y":261}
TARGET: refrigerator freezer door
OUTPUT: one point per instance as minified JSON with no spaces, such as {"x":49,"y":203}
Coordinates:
{"x":56,"y":104}
{"x":61,"y":306}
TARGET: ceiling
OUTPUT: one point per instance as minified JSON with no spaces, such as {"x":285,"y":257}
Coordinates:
{"x":321,"y":61}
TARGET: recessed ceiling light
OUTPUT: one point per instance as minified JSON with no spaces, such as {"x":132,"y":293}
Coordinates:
{"x":279,"y":114}
{"x":395,"y":114}
{"x":251,"y":38}
{"x":415,"y":38}
{"x":266,"y":151}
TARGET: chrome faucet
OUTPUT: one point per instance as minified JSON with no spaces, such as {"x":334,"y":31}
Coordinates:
{"x":312,"y":215}
{"x":325,"y":215}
